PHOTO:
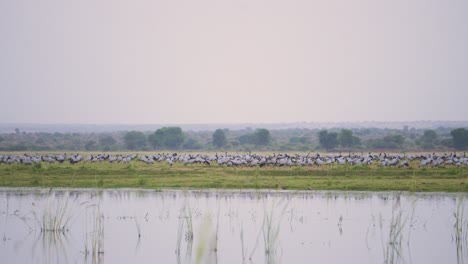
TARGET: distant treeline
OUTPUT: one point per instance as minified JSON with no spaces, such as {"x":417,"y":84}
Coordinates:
{"x":247,"y":139}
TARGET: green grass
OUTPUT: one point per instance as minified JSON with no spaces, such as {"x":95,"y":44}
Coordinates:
{"x":140,"y":175}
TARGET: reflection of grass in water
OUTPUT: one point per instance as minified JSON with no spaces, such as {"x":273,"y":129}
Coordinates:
{"x":56,"y":214}
{"x":242,"y":242}
{"x":270,"y":230}
{"x":138,"y":227}
{"x":180,"y":231}
{"x":179,"y":236}
{"x":410,"y":227}
{"x":53,"y":246}
{"x":188,"y":218}
{"x":207,"y":238}
{"x":54,"y":218}
{"x":98,"y":233}
{"x":4,"y":238}
{"x":392,"y":247}
{"x":94,"y":245}
{"x":185,"y":229}
{"x":460,"y":231}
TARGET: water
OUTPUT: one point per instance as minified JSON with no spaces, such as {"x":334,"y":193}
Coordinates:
{"x":144,"y":226}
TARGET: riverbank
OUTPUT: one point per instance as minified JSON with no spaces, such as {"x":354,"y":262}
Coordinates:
{"x":139,"y":175}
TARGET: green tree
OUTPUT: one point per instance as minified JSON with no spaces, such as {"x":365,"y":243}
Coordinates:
{"x":107,"y":140}
{"x":394,"y":141}
{"x":328,"y":140}
{"x":298,"y":140}
{"x":219,"y":138}
{"x":460,"y":138}
{"x":389,"y":142}
{"x":356,"y":141}
{"x":346,"y":138}
{"x":135,"y":140}
{"x":262,"y":137}
{"x":154,"y":141}
{"x":191,"y":143}
{"x":447,"y":142}
{"x":167,"y":137}
{"x":430,"y":135}
{"x":428,"y":139}
{"x":247,"y":139}
{"x":91,"y":145}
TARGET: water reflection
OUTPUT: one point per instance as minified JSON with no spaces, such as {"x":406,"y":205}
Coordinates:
{"x":460,"y":227}
{"x":185,"y":231}
{"x":393,"y":239}
{"x":143,"y":226}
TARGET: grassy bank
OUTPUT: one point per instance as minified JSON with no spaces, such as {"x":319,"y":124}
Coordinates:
{"x":140,"y":175}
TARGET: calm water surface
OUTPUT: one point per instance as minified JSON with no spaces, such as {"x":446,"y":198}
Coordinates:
{"x":147,"y":226}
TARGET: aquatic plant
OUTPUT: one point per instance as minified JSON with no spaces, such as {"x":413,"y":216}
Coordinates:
{"x":242,"y":242}
{"x":392,"y":248}
{"x":138,"y":227}
{"x":53,"y":246}
{"x":56,"y":214}
{"x":460,"y":231}
{"x":185,"y":229}
{"x":270,"y":230}
{"x":94,"y":244}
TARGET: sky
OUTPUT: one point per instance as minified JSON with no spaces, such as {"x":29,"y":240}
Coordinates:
{"x":232,"y":61}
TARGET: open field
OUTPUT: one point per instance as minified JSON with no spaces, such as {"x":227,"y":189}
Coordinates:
{"x":160,"y":175}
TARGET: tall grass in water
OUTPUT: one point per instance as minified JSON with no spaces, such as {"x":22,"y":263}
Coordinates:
{"x":270,"y":230}
{"x":53,"y":246}
{"x":57,"y":212}
{"x":54,"y":216}
{"x":94,"y":240}
{"x":4,"y":237}
{"x":138,"y":227}
{"x":242,"y":242}
{"x":185,"y":230}
{"x":392,"y":248}
{"x":460,"y":231}
{"x":207,"y":238}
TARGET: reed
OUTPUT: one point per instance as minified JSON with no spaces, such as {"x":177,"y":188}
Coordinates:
{"x":56,"y":214}
{"x":460,"y":231}
{"x":138,"y":227}
{"x":242,"y":242}
{"x":185,"y":229}
{"x":392,"y":248}
{"x":94,"y":240}
{"x":271,"y":229}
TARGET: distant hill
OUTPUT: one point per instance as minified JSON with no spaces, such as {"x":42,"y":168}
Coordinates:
{"x":89,"y":128}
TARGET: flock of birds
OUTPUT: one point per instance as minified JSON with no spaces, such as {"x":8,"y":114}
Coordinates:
{"x":251,"y":160}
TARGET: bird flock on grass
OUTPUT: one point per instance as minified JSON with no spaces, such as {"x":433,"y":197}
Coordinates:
{"x":432,"y":160}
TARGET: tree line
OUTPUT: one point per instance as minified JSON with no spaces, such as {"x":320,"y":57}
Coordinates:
{"x":173,"y":138}
{"x":248,"y":139}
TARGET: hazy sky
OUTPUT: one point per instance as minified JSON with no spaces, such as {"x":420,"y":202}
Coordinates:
{"x":216,"y":61}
